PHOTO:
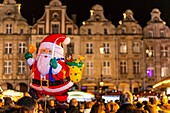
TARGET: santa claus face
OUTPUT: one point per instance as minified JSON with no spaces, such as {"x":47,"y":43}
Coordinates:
{"x":43,"y":60}
{"x":46,"y":51}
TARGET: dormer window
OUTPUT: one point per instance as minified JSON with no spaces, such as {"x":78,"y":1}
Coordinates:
{"x":134,"y":30}
{"x":9,"y":13}
{"x":21,"y":31}
{"x":97,"y":18}
{"x":40,"y":30}
{"x":69,"y":30}
{"x":55,"y":15}
{"x":150,"y":33}
{"x":162,"y":33}
{"x":156,"y":19}
{"x":105,"y":31}
{"x":55,"y":28}
{"x":123,"y":30}
{"x":128,"y":17}
{"x":89,"y":31}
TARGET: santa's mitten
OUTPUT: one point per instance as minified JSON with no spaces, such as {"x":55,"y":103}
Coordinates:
{"x":53,"y":63}
{"x":28,"y":55}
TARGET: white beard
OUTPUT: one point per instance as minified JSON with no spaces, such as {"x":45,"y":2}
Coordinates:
{"x":43,"y":64}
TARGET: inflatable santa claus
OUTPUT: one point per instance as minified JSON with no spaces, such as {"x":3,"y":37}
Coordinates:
{"x":49,"y":72}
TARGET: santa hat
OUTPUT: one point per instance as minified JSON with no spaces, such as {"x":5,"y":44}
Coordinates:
{"x":54,"y":42}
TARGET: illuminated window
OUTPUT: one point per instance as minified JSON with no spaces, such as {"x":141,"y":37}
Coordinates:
{"x":164,"y":51}
{"x":8,"y":28}
{"x":106,"y":68}
{"x":22,"y":47}
{"x":149,"y":52}
{"x":84,"y":88}
{"x":89,"y":68}
{"x":8,"y":48}
{"x":7,"y":67}
{"x":89,"y":48}
{"x":136,"y":47}
{"x":164,"y":71}
{"x":150,"y":71}
{"x":106,"y":48}
{"x":21,"y":67}
{"x":123,"y":47}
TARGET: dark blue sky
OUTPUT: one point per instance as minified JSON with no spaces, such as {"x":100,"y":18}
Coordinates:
{"x":113,"y":9}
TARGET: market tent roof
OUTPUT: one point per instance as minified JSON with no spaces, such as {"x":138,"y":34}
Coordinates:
{"x":12,"y":93}
{"x":163,"y":83}
{"x":80,"y":96}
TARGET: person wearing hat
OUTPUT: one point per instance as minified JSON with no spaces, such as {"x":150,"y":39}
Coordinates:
{"x":49,"y":72}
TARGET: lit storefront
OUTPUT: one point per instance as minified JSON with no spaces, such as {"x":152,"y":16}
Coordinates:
{"x":162,"y":86}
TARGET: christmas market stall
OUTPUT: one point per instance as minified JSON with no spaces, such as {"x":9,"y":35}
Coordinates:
{"x":111,"y":95}
{"x":163,"y":85}
{"x":80,"y":96}
{"x":14,"y":95}
{"x":144,"y":95}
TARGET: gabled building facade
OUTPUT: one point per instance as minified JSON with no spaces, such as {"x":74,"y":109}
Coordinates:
{"x":129,"y":54}
{"x":134,"y":58}
{"x":14,"y":35}
{"x":55,"y":20}
{"x":95,"y":32}
{"x":156,"y":39}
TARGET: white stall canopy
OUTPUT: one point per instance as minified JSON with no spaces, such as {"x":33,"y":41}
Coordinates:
{"x":80,"y":96}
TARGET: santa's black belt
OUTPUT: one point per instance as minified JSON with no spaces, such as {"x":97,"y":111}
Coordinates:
{"x":50,"y":83}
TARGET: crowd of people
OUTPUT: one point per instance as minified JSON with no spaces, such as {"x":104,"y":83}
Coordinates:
{"x":125,"y":104}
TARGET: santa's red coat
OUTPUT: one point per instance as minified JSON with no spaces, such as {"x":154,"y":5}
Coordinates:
{"x":60,"y":90}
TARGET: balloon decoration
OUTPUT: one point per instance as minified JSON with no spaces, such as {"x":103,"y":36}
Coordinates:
{"x":76,"y":69}
{"x":51,"y":73}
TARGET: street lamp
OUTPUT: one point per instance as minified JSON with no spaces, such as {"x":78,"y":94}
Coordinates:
{"x":149,"y":52}
{"x":101,"y":83}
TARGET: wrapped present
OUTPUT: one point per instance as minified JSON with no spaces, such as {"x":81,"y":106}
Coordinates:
{"x":76,"y":69}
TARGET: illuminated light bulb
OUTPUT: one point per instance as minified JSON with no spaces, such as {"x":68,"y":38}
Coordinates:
{"x":91,"y":12}
{"x":124,"y":15}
